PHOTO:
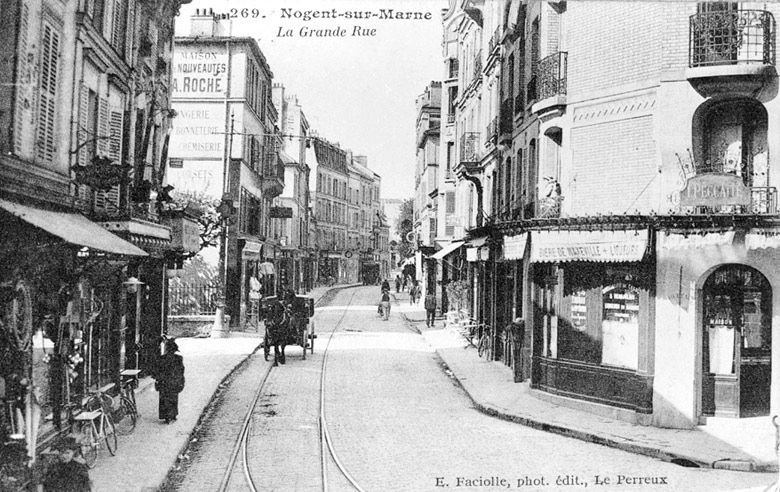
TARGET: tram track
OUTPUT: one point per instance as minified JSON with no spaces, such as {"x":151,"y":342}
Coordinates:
{"x":327,"y":451}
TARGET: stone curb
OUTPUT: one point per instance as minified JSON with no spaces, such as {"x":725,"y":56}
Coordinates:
{"x":641,"y":449}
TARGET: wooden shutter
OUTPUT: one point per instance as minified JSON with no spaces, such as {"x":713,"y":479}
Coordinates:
{"x":109,"y":145}
{"x":83,"y":132}
{"x":21,"y":109}
{"x":45,"y":146}
{"x":130,"y":30}
{"x":119,"y":26}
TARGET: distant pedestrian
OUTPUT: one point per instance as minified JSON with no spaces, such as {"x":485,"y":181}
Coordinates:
{"x":417,"y":292}
{"x":413,"y":293}
{"x":69,"y":473}
{"x":386,"y":304}
{"x":170,"y":381}
{"x":406,"y":281}
{"x":385,"y":285}
{"x":430,"y":309}
{"x":397,"y":284}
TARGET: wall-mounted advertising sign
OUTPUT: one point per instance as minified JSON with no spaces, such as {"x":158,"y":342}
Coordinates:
{"x":199,"y":72}
{"x":714,"y":190}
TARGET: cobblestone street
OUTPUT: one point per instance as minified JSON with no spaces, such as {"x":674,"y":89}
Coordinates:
{"x":398,"y":422}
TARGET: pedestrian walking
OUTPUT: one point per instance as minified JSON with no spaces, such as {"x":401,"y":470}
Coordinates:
{"x":69,"y":473}
{"x":413,"y":294}
{"x":417,"y":291}
{"x":430,"y":309}
{"x":405,"y":282}
{"x":385,"y":285}
{"x":169,"y":381}
{"x":397,"y":284}
{"x":386,"y":304}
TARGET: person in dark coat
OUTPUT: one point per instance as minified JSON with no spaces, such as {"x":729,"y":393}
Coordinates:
{"x":430,"y":309}
{"x":385,"y":285}
{"x":516,"y":331}
{"x":170,"y":381}
{"x":68,"y":473}
{"x":397,"y":284}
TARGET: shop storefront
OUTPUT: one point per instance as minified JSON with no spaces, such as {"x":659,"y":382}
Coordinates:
{"x":717,"y":304}
{"x":592,"y":317}
{"x":65,"y":295}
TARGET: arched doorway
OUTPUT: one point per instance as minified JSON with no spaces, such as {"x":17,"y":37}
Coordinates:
{"x":736,"y":349}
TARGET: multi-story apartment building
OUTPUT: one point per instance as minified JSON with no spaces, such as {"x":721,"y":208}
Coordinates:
{"x":290,"y":214}
{"x":84,"y":258}
{"x":635,"y":206}
{"x":330,"y":173}
{"x":426,"y":180}
{"x":225,"y":145}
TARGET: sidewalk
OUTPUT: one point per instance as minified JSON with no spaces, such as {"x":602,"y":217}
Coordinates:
{"x":732,"y":444}
{"x":144,"y":457}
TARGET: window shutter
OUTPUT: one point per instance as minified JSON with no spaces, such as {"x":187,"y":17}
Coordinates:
{"x":21,"y":113}
{"x":119,"y":26}
{"x":83,"y":134}
{"x":45,"y":148}
{"x":130,"y":30}
{"x":110,"y":145}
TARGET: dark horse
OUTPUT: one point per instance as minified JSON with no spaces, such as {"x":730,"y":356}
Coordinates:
{"x":277,"y":331}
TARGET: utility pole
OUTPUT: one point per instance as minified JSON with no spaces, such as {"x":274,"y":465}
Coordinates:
{"x":225,"y":213}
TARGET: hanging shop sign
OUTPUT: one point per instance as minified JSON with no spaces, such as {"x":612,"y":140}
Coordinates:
{"x":714,"y":190}
{"x":185,"y":234}
{"x":481,"y":253}
{"x":514,"y":246}
{"x":600,"y":246}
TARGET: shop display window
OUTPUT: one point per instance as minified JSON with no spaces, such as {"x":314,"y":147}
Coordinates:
{"x":620,"y":326}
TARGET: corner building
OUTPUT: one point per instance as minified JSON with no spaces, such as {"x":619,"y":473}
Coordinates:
{"x":641,"y":208}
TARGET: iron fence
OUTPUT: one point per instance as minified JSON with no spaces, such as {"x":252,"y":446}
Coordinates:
{"x":193,"y":299}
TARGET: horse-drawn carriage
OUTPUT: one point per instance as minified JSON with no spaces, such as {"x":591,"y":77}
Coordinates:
{"x":288,"y":322}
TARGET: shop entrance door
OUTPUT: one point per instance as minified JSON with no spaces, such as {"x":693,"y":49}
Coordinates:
{"x":736,"y":343}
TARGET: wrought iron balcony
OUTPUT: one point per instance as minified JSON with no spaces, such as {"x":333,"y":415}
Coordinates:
{"x":451,"y":118}
{"x":491,"y":132}
{"x":732,"y":37}
{"x":550,"y":75}
{"x":470,"y":154}
{"x":550,"y":207}
{"x":495,"y":41}
{"x":763,"y":199}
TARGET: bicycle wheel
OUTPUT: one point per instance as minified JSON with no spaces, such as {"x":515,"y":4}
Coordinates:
{"x":109,"y":432}
{"x":482,"y":348}
{"x":129,"y":417}
{"x":89,"y":444}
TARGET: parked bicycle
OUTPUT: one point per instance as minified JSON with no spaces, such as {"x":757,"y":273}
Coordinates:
{"x":485,"y":345}
{"x":94,"y":424}
{"x":126,"y":417}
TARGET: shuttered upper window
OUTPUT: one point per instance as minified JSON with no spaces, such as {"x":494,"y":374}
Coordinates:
{"x":50,"y":57}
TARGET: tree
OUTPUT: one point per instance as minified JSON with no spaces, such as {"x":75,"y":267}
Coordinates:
{"x":210,"y":220}
{"x":404,"y":225}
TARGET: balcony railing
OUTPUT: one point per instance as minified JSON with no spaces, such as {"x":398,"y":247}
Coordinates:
{"x":551,"y":75}
{"x":763,"y":199}
{"x":469,"y":148}
{"x":495,"y":41}
{"x":491,"y":132}
{"x":550,"y":207}
{"x":506,"y":116}
{"x":530,"y":89}
{"x":731,"y":37}
{"x":519,"y":102}
{"x":452,"y":67}
{"x":451,"y":118}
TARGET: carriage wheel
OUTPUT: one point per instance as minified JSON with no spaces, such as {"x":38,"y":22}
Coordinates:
{"x":311,"y":337}
{"x":302,"y":341}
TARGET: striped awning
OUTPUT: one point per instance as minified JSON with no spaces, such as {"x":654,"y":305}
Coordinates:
{"x":439,"y":255}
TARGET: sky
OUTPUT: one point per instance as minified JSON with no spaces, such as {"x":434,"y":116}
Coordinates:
{"x":358,"y":90}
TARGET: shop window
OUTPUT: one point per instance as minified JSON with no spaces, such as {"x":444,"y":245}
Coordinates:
{"x":620,"y":326}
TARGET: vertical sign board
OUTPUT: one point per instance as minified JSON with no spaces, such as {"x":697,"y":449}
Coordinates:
{"x":199,"y":72}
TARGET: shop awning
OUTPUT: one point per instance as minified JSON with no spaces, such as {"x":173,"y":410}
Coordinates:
{"x":601,"y":246}
{"x":73,"y":228}
{"x":760,"y":239}
{"x":439,"y":255}
{"x":514,"y":246}
{"x":477,"y":242}
{"x":695,"y":241}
